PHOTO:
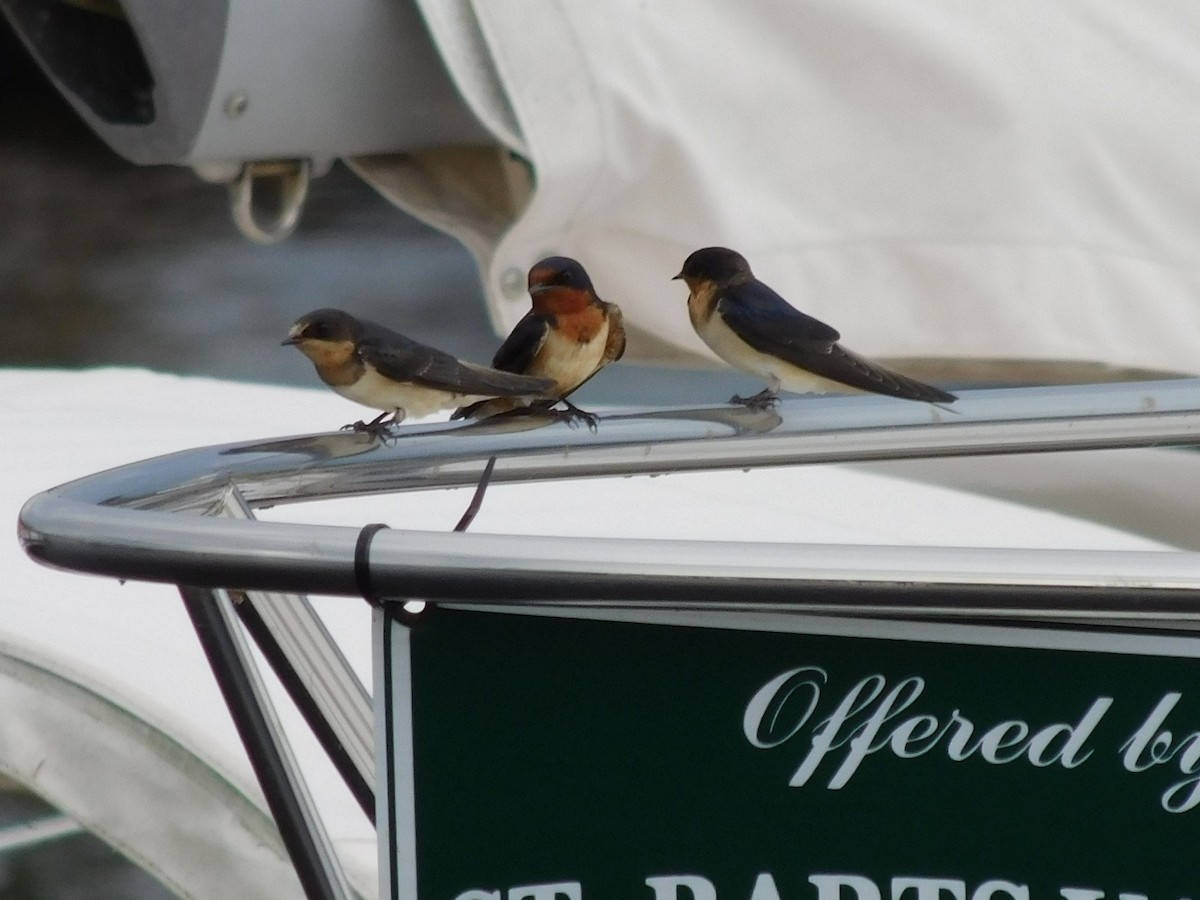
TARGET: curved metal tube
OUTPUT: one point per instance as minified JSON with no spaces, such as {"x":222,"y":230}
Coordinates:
{"x":125,"y":522}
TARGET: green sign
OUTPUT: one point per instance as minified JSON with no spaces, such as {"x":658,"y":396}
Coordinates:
{"x":591,"y":755}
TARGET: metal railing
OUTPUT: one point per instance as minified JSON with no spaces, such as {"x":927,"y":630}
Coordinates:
{"x":187,"y":519}
{"x":124,"y":522}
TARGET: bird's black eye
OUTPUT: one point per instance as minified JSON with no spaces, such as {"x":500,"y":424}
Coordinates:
{"x":317,"y":331}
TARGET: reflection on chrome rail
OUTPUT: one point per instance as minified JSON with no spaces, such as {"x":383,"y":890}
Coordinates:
{"x":127,"y":522}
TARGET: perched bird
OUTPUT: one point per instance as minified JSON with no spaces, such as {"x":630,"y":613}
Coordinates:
{"x":383,"y":369}
{"x":754,"y":329}
{"x":568,"y":336}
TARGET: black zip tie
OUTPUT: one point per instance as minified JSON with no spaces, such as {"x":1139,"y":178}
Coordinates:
{"x":362,"y":562}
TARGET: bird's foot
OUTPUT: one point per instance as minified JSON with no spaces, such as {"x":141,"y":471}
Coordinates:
{"x":573,"y":415}
{"x":764,"y":399}
{"x":379,"y":427}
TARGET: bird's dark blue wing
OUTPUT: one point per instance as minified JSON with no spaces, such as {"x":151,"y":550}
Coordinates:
{"x":520,"y":348}
{"x":403,"y":359}
{"x":771,"y":325}
{"x":767,"y":322}
{"x":850,"y":368}
{"x":393,"y":354}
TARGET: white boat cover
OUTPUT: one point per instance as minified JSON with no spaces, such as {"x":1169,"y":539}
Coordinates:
{"x":932,"y":178}
{"x":110,"y":710}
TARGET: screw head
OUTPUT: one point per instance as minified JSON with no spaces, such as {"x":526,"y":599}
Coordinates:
{"x":236,"y":104}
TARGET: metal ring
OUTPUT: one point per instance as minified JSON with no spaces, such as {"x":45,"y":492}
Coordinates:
{"x":293,"y":177}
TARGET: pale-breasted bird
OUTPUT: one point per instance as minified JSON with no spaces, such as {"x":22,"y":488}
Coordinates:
{"x":385,"y":370}
{"x":754,"y":329}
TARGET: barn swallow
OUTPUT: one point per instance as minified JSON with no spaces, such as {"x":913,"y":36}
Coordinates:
{"x":568,"y":336}
{"x":385,"y":370}
{"x":754,"y":329}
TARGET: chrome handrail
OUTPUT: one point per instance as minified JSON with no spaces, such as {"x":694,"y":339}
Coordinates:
{"x":125,"y":522}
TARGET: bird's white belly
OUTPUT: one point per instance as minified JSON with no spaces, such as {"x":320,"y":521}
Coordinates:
{"x":573,"y":362}
{"x":377,"y":392}
{"x":731,"y":348}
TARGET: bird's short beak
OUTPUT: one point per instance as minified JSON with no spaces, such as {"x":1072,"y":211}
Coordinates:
{"x":292,"y":338}
{"x":677,"y":277}
{"x":538,"y":289}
